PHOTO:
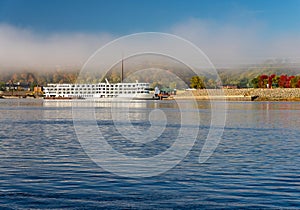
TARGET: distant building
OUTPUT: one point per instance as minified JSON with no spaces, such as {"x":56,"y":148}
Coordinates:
{"x":229,"y":86}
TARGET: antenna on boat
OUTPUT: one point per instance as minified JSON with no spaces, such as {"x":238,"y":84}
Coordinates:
{"x":122,"y":69}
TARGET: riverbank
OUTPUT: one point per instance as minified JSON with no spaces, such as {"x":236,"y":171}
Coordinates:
{"x":246,"y":94}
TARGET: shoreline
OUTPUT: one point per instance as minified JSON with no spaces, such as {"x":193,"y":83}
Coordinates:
{"x":243,"y":94}
{"x":216,"y":98}
{"x":197,"y":98}
{"x":232,"y":98}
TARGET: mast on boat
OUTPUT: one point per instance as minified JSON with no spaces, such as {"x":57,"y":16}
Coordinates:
{"x":122,"y":70}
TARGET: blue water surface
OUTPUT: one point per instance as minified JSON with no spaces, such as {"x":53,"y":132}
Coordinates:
{"x":256,"y":164}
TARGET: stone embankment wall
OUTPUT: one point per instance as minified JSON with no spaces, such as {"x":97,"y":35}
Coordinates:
{"x":260,"y":94}
{"x":276,"y":94}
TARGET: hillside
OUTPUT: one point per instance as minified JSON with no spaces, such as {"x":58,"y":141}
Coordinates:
{"x":168,"y":74}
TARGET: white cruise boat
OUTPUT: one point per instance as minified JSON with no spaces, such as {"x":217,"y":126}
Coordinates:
{"x":99,"y":91}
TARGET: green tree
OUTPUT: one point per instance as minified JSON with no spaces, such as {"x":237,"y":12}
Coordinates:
{"x":254,"y":82}
{"x":275,"y":81}
{"x":2,"y":86}
{"x":294,"y":81}
{"x":243,"y":83}
{"x":32,"y":85}
{"x":197,"y":82}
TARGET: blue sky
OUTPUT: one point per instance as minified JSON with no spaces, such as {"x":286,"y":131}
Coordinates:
{"x":127,"y":16}
{"x":228,"y":31}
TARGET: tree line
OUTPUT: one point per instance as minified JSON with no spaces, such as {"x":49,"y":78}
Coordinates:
{"x":261,"y":81}
{"x":173,"y":79}
{"x":271,"y":81}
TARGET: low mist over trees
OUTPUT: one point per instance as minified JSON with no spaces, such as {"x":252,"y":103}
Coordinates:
{"x":171,"y":76}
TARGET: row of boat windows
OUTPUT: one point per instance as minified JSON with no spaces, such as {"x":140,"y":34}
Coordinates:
{"x":80,"y":89}
{"x":102,"y":85}
{"x":81,"y":96}
{"x":86,"y":96}
{"x":101,"y":92}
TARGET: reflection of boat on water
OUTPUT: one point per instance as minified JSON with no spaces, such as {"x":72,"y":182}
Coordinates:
{"x":136,"y":91}
{"x":104,"y":103}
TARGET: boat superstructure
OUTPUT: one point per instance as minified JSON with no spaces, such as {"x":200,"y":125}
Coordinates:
{"x":135,"y":90}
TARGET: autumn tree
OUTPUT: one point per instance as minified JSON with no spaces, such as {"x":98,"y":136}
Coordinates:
{"x":275,"y":81}
{"x":197,"y":82}
{"x":295,"y":82}
{"x":263,"y":81}
{"x":282,"y":81}
{"x":270,"y":80}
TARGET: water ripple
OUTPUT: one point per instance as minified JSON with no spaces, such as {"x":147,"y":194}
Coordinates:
{"x":256,"y":164}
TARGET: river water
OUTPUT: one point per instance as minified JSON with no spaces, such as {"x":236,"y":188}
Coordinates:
{"x":255,"y":165}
